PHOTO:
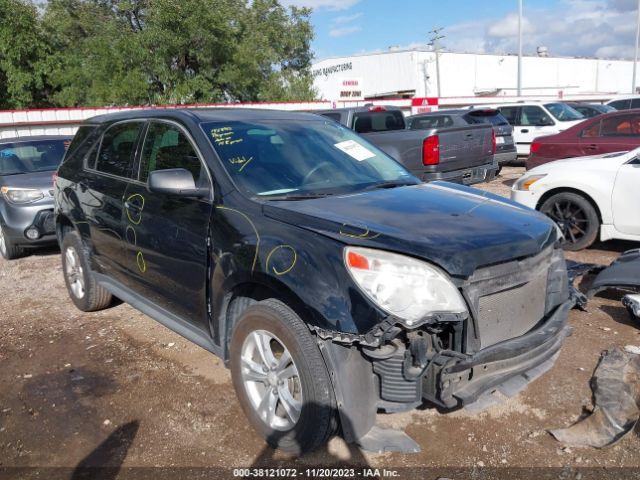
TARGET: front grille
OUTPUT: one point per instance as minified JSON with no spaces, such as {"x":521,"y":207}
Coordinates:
{"x":511,"y":313}
{"x":509,"y":299}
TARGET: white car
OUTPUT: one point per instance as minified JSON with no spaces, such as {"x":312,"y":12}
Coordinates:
{"x":587,"y":195}
{"x":533,"y":119}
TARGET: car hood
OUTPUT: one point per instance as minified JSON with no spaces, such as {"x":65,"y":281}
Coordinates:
{"x":455,"y":227}
{"x":40,"y":180}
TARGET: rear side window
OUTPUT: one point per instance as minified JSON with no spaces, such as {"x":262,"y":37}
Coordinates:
{"x":332,"y":116}
{"x":492,"y":117}
{"x":166,"y":147}
{"x":431,"y":121}
{"x":118,"y":146}
{"x":381,"y":121}
{"x":591,"y":131}
{"x":635,"y":103}
{"x":621,"y":104}
{"x":81,"y":142}
{"x":511,"y":114}
{"x":623,"y":125}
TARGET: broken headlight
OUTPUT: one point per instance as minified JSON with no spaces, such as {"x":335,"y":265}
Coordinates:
{"x":401,"y":285}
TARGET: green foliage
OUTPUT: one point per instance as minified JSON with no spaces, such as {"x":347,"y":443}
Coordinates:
{"x":118,"y":52}
{"x":22,"y":46}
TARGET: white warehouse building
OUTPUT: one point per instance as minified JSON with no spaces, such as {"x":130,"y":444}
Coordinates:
{"x":467,"y":78}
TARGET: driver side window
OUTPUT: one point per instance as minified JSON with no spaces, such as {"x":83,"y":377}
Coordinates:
{"x":166,"y":147}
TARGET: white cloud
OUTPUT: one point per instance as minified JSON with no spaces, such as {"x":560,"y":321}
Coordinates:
{"x":342,"y":31}
{"x":347,"y":18}
{"x":319,"y":4}
{"x":602,"y":28}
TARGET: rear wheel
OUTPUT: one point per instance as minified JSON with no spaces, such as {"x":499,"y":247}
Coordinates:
{"x":83,"y":289}
{"x":8,"y":250}
{"x":280,"y":378}
{"x":576,"y":217}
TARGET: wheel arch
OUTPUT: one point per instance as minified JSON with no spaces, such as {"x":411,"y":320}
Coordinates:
{"x":576,"y":191}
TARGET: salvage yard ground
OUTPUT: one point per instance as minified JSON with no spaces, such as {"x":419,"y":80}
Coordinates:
{"x":116,"y":388}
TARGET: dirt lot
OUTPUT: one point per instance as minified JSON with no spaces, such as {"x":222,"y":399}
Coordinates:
{"x":115,"y":388}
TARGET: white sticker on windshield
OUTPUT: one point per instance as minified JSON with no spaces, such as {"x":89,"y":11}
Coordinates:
{"x":355,"y":150}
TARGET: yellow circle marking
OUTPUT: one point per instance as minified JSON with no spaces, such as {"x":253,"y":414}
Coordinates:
{"x":295,"y":259}
{"x":141,"y":208}
{"x":142,"y":266}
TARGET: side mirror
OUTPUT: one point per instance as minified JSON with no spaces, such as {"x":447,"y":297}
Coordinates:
{"x":175,"y":181}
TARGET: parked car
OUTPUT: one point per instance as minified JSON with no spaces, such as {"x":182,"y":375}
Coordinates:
{"x":505,"y":148}
{"x":611,"y":132}
{"x":587,"y":195}
{"x":625,"y":103}
{"x":456,"y":153}
{"x":331,"y":281}
{"x":589,"y":110}
{"x":532,"y":119}
{"x":26,"y":201}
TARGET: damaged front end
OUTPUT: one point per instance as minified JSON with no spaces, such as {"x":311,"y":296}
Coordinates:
{"x":511,"y":333}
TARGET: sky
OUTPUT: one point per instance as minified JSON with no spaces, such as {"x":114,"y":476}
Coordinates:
{"x":586,"y":28}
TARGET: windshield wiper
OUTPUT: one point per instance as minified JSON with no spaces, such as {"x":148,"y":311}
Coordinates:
{"x":299,"y":196}
{"x":391,"y":184}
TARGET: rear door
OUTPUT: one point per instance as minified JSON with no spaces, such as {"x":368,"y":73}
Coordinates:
{"x":166,"y":236}
{"x":614,"y":134}
{"x":101,"y":192}
{"x":626,"y":199}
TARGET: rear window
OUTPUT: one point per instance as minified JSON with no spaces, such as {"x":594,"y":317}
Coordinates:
{"x":492,"y":117}
{"x":31,"y":156}
{"x":380,"y":121}
{"x":431,"y":121}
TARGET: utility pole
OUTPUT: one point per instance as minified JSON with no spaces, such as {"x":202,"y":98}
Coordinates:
{"x":435,"y":36}
{"x":520,"y":47}
{"x":635,"y":54}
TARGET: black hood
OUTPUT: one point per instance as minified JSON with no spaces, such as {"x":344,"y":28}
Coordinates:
{"x":455,"y":227}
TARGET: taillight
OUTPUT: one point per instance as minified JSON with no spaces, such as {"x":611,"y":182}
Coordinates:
{"x":535,"y":146}
{"x":377,"y":109}
{"x":431,"y":150}
{"x":493,"y":141}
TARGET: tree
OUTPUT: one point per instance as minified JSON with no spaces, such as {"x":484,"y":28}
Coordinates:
{"x":176,"y":51}
{"x":22,"y":46}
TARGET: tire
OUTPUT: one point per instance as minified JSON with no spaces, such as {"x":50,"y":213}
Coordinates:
{"x":308,"y":389}
{"x":8,"y":250}
{"x":576,"y":217}
{"x":83,"y":289}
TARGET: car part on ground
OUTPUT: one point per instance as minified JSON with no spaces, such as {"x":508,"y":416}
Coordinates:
{"x":622,"y":274}
{"x":297,"y":251}
{"x":26,"y":199}
{"x":616,"y":392}
{"x":632,"y":302}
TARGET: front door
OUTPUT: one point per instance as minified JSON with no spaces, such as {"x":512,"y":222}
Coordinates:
{"x":166,"y":236}
{"x":626,"y":199}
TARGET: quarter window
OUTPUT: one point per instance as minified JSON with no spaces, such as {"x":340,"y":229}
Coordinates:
{"x":591,"y":131}
{"x":117,"y":149}
{"x":166,"y":147}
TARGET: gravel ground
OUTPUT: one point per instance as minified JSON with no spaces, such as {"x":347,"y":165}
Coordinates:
{"x":114,"y":388}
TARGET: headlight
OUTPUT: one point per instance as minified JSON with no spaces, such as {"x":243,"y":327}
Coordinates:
{"x":21,"y":195}
{"x":526,"y":181}
{"x":403,"y":286}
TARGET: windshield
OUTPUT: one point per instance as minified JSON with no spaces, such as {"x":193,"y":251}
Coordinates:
{"x":563,"y":112}
{"x":294,"y":157}
{"x":31,"y":156}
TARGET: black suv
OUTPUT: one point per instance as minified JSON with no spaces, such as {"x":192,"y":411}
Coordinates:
{"x":330,"y":280}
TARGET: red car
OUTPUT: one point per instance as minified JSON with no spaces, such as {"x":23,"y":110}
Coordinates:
{"x":611,"y":132}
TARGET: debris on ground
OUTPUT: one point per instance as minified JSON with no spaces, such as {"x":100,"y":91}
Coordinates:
{"x":616,"y":392}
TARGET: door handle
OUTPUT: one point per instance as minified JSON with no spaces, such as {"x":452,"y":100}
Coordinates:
{"x":591,"y":146}
{"x":131,"y":206}
{"x":524,"y":130}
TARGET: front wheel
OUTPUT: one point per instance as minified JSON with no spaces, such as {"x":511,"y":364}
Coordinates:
{"x":576,"y":217}
{"x":280,"y":378}
{"x":8,"y":250}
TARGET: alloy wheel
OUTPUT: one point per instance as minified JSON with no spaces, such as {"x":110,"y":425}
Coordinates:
{"x":74,"y":272}
{"x":570,"y":217}
{"x":271,"y":380}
